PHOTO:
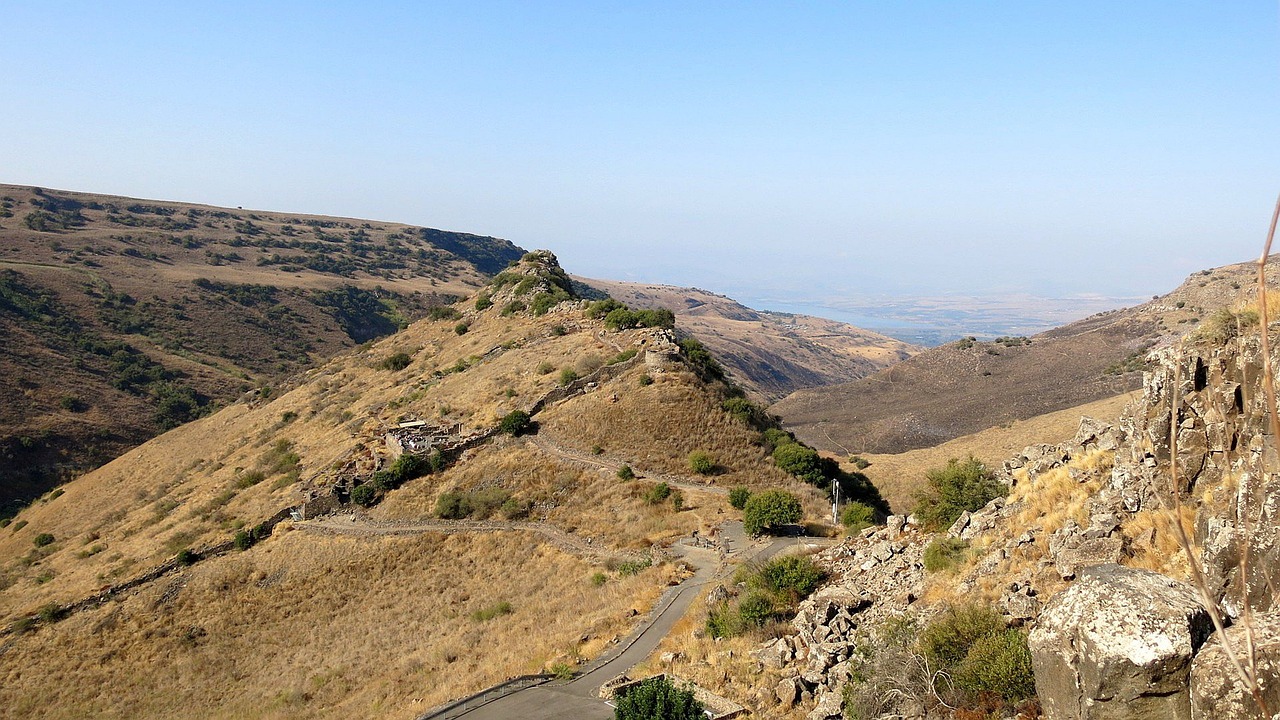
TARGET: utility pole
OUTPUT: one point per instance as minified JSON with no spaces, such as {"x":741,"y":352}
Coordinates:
{"x":835,"y":501}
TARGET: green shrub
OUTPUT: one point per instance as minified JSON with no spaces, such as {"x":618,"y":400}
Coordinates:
{"x":443,"y":312}
{"x":946,"y":640}
{"x":746,"y":412}
{"x":859,"y":462}
{"x":461,"y":328}
{"x":559,"y":331}
{"x":701,"y":359}
{"x":19,"y":525}
{"x":396,"y":362}
{"x":243,"y":540}
{"x":626,"y":473}
{"x":42,"y":540}
{"x":545,"y":367}
{"x":955,"y":489}
{"x":738,"y":497}
{"x":599,"y":579}
{"x":567,"y":376}
{"x":677,"y":499}
{"x":496,"y":610}
{"x":998,"y":663}
{"x":52,"y":612}
{"x":622,"y":357}
{"x":857,"y":516}
{"x":770,"y":509}
{"x":658,"y":699}
{"x":800,"y":461}
{"x":701,"y":462}
{"x":600,"y":308}
{"x":634,"y":567}
{"x":364,"y":495}
{"x":645,"y":380}
{"x":452,"y":505}
{"x":794,"y":577}
{"x":657,"y":494}
{"x":483,"y":301}
{"x":187,"y":557}
{"x":249,"y":478}
{"x":562,"y":670}
{"x":516,"y":422}
{"x":944,"y":553}
{"x":756,"y":609}
{"x":512,"y":308}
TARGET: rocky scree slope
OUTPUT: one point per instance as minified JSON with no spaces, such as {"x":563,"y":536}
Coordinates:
{"x":967,"y":386}
{"x":125,"y":317}
{"x":1082,"y":552}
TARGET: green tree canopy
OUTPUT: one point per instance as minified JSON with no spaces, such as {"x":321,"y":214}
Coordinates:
{"x":658,"y":699}
{"x":770,"y":509}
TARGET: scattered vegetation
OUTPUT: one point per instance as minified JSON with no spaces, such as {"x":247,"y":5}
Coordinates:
{"x":495,"y":610}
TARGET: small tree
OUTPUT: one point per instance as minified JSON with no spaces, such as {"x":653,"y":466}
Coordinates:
{"x":364,"y":495}
{"x":960,"y":486}
{"x":770,"y":509}
{"x":515,"y":422}
{"x":626,"y":473}
{"x":738,"y":497}
{"x":658,"y":699}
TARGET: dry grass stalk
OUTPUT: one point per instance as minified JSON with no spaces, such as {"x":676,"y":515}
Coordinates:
{"x":1243,"y":660}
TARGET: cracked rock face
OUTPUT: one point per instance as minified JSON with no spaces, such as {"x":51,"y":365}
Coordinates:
{"x":1217,"y":691}
{"x":1118,"y":645}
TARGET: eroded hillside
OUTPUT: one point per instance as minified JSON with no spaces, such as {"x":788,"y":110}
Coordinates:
{"x":125,"y":317}
{"x":506,"y":553}
{"x":967,"y":386}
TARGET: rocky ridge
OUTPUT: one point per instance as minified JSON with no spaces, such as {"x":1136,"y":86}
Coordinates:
{"x":1107,"y":641}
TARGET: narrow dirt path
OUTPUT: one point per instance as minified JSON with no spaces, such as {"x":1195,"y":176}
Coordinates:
{"x":604,"y":462}
{"x":359,"y":525}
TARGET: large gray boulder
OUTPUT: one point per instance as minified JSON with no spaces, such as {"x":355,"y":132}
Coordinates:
{"x":1117,"y":645}
{"x":1217,"y":691}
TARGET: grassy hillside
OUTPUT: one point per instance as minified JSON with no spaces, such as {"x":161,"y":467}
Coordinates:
{"x":339,"y":618}
{"x":770,"y":354}
{"x":967,"y":386}
{"x":125,"y":317}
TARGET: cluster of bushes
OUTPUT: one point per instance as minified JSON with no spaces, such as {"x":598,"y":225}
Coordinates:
{"x":747,"y":412}
{"x":443,"y":312}
{"x":772,"y":592}
{"x":704,"y":364}
{"x":658,"y":698}
{"x":363,"y":314}
{"x":618,"y":316}
{"x":958,"y":487}
{"x":480,"y":504}
{"x":966,"y":657}
{"x":804,"y":463}
{"x":406,"y":467}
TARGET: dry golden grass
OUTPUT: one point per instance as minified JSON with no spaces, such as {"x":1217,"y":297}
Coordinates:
{"x":1153,"y":541}
{"x":900,"y":476}
{"x":307,"y":625}
{"x":311,"y":626}
{"x":1061,"y":494}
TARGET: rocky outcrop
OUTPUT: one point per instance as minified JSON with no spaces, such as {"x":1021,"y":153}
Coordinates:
{"x":1217,"y":690}
{"x":1224,"y":453}
{"x":1118,"y":645}
{"x":876,"y":575}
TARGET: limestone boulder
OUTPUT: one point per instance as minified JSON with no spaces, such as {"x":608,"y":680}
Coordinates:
{"x":1217,"y":691}
{"x":1117,"y":645}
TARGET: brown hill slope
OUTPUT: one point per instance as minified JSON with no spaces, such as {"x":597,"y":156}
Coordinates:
{"x":963,"y":387}
{"x":770,"y":354}
{"x":124,"y":317}
{"x":315,"y":622}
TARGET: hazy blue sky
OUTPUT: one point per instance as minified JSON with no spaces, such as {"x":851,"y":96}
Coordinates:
{"x":766,"y":150}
